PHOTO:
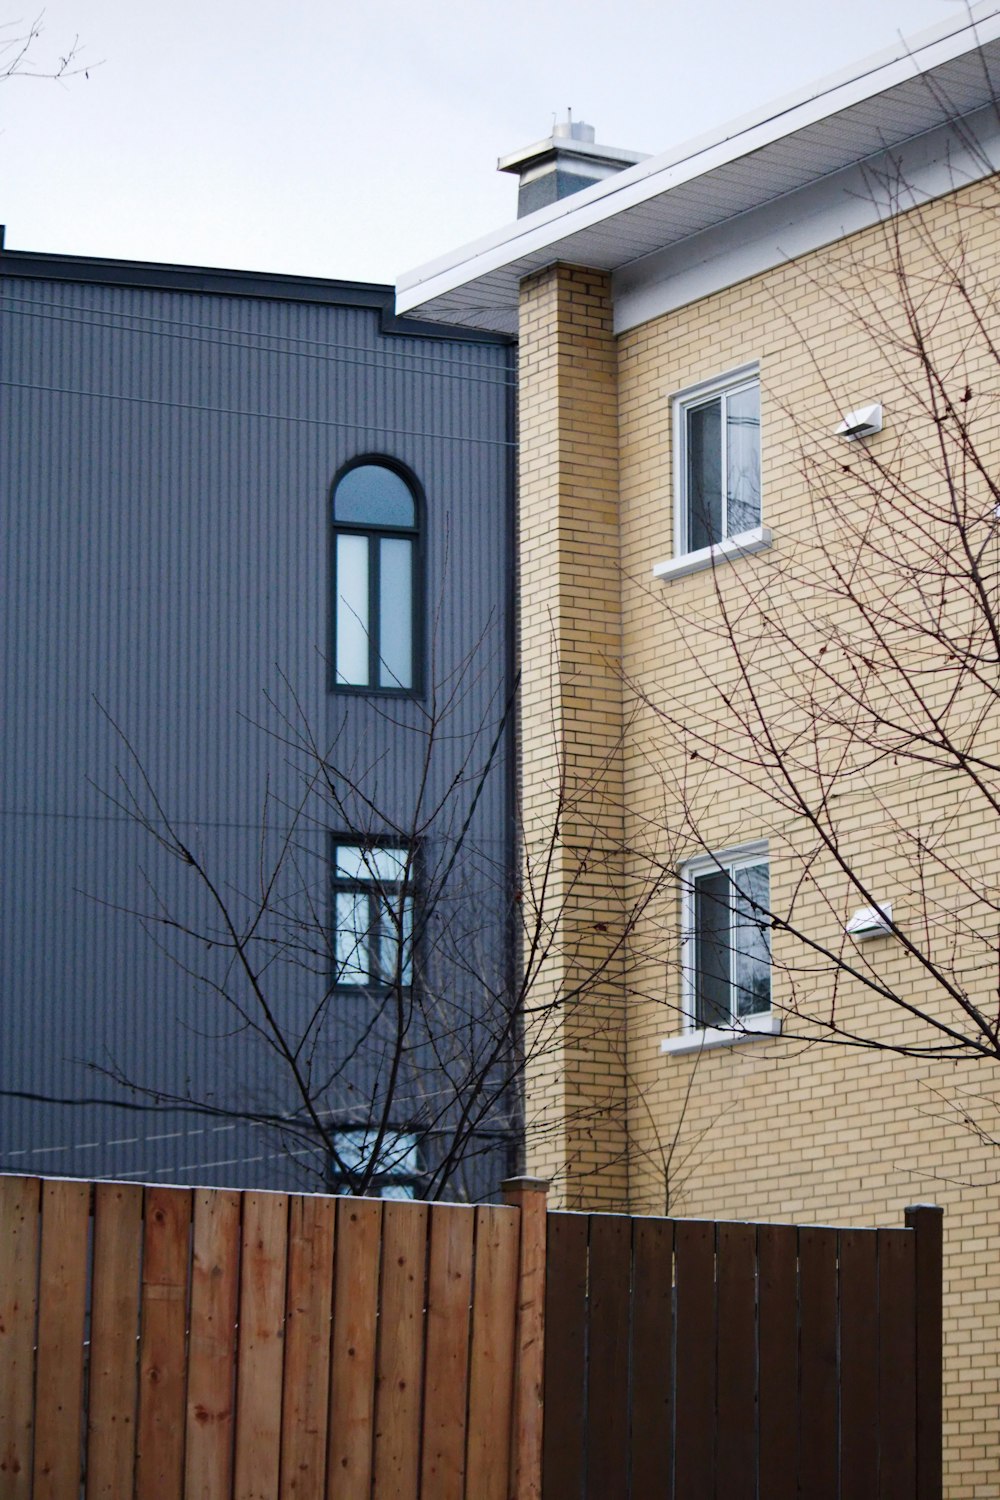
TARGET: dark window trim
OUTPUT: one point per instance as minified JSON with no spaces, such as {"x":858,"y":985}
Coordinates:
{"x":410,"y":888}
{"x":416,"y":534}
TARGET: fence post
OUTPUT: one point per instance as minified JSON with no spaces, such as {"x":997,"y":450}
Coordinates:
{"x":927,"y":1222}
{"x":530,"y":1195}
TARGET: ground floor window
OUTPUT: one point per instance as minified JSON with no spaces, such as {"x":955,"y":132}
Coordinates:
{"x":397,"y":1167}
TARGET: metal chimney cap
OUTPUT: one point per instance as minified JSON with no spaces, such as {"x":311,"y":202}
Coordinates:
{"x":574,"y":130}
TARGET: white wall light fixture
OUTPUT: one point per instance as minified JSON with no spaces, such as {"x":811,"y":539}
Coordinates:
{"x":871,"y":921}
{"x":862,"y":423}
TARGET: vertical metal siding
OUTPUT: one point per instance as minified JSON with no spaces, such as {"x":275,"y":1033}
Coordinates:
{"x":165,"y":472}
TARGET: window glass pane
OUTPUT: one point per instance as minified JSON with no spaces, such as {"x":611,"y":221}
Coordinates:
{"x":404,"y":1156}
{"x":743,"y":460}
{"x":751,"y":944}
{"x":704,"y":474}
{"x":352,"y":1148}
{"x":386,"y":864}
{"x":397,"y":1190}
{"x":352,"y":939}
{"x":711,"y":949}
{"x":352,"y":609}
{"x":372,"y":495}
{"x":396,"y":613}
{"x":349,"y":862}
{"x":397,"y":920}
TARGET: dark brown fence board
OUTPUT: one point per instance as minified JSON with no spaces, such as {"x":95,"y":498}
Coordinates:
{"x":565,"y":1357}
{"x":114,"y":1331}
{"x":858,"y":1364}
{"x":736,"y":1460}
{"x":19,"y":1201}
{"x":652,"y":1333}
{"x":607,"y":1423}
{"x":818,"y":1445}
{"x":491,"y":1361}
{"x":306,"y":1396}
{"x":928,"y":1226}
{"x":352,"y":1373}
{"x":62,"y":1306}
{"x":897,"y":1389}
{"x":778,"y":1376}
{"x":400,"y":1351}
{"x":212,"y":1344}
{"x":695,"y":1425}
{"x":260,"y":1356}
{"x":163,"y":1344}
{"x":446,"y":1373}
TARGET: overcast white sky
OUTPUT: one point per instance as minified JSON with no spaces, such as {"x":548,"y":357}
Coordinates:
{"x":359,"y":140}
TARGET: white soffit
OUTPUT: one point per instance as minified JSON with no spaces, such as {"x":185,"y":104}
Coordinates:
{"x":948,"y":73}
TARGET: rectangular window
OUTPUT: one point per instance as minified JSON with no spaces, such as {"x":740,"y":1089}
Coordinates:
{"x":726,"y":939}
{"x":397,"y":1170}
{"x":717,"y":440}
{"x":372,"y":915}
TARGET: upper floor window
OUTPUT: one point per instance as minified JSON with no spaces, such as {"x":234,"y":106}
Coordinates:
{"x":375,"y":578}
{"x":372,"y":914}
{"x":726,"y":938}
{"x":717,"y":443}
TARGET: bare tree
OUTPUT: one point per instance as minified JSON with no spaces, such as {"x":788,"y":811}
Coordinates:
{"x":387,"y":972}
{"x":19,"y":53}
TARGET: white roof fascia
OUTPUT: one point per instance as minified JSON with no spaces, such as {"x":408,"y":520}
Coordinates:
{"x":926,"y":167}
{"x":548,"y":227}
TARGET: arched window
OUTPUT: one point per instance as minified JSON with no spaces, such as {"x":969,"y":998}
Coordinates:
{"x":375,"y":578}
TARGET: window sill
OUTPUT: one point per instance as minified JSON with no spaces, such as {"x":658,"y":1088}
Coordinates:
{"x":753,"y":1029}
{"x":707,"y":557}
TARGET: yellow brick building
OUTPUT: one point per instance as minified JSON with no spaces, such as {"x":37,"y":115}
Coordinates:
{"x":759,"y":750}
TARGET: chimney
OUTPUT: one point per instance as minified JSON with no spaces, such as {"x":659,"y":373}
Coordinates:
{"x":566,"y":162}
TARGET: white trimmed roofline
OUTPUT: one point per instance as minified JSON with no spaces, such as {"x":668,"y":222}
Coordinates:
{"x":877,"y":105}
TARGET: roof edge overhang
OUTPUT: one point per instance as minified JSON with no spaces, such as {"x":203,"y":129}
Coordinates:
{"x":216,"y":281}
{"x":477,"y":284}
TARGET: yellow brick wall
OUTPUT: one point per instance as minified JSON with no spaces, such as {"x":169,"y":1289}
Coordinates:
{"x":797,"y":1128}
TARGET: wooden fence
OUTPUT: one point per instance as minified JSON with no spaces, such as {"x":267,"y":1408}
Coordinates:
{"x":166,"y":1342}
{"x":175,"y":1343}
{"x":690,"y":1360}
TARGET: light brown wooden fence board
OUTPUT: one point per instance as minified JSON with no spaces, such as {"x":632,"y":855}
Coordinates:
{"x":400,"y":1351}
{"x":355,"y":1327}
{"x":260,"y":1357}
{"x":446,"y":1378}
{"x":19,"y":1199}
{"x":212,"y":1345}
{"x":163,"y":1344}
{"x":62,"y":1309}
{"x":307,"y":1348}
{"x":114,"y":1321}
{"x":491,"y":1376}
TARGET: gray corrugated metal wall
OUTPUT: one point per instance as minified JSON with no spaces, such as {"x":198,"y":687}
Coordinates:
{"x":166,"y":465}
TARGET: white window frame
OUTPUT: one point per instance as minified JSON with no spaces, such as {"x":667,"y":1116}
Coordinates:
{"x":729,"y":547}
{"x":741,"y":1029}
